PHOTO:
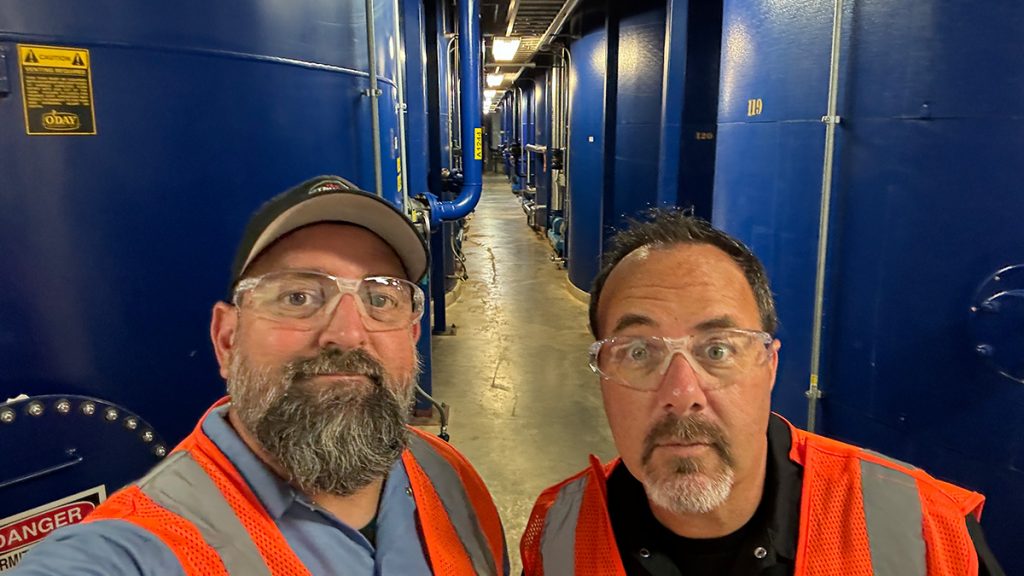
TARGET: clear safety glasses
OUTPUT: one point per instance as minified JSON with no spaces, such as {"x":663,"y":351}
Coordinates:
{"x":719,"y":357}
{"x":307,"y":299}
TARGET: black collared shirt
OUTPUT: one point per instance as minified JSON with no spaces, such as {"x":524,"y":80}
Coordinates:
{"x":764,"y":546}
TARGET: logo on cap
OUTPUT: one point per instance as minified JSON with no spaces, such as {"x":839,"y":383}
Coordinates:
{"x":328,"y":186}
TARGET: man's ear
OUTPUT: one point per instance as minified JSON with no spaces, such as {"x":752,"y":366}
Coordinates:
{"x":416,"y":330}
{"x":776,"y":344}
{"x":223,"y":325}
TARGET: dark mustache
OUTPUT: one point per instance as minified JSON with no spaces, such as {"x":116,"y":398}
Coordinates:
{"x":691,"y":429}
{"x":334,"y":360}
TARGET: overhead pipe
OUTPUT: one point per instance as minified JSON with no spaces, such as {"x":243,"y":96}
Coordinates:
{"x":470,"y":108}
{"x":553,"y":29}
{"x":557,"y":23}
{"x":831,"y":120}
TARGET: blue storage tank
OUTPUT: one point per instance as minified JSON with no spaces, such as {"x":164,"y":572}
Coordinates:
{"x":637,"y":115}
{"x":115,"y":245}
{"x":649,"y":138}
{"x":587,"y":157}
{"x":925,"y":213}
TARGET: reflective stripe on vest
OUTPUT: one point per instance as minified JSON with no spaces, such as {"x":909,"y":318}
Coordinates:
{"x":180,"y":485}
{"x":892,"y":510}
{"x":558,"y":539}
{"x":450,"y":490}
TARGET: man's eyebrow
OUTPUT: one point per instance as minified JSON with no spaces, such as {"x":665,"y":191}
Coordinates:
{"x":630,"y":320}
{"x":724,"y":321}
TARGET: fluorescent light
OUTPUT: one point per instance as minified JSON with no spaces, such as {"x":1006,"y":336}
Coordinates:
{"x":490,"y":94}
{"x":504,"y":48}
{"x":495,"y":80}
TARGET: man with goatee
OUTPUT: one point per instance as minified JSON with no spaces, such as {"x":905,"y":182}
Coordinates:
{"x":709,"y":481}
{"x":308,"y":467}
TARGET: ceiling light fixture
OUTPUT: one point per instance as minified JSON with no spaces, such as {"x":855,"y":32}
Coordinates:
{"x":504,"y":48}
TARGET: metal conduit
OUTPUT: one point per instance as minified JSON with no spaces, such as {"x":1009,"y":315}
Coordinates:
{"x":374,"y":93}
{"x":528,"y":112}
{"x":450,"y":87}
{"x":567,"y":134}
{"x":524,"y":156}
{"x":554,"y":99}
{"x":402,"y":109}
{"x":831,"y":120}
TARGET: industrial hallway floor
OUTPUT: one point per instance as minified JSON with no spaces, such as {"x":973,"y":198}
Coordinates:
{"x":525,"y":407}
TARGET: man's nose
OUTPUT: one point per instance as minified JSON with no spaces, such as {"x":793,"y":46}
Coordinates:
{"x":680,"y":390}
{"x":344,"y":328}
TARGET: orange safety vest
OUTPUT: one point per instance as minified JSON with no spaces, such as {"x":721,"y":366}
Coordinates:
{"x":199,"y":505}
{"x":861,"y":514}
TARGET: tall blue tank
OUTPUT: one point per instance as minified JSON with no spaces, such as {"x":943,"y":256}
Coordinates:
{"x":637,"y":117}
{"x":586,"y":160}
{"x":115,"y":245}
{"x":643,"y":98}
{"x":918,"y":319}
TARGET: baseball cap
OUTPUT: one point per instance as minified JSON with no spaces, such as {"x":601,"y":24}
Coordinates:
{"x":331,"y":199}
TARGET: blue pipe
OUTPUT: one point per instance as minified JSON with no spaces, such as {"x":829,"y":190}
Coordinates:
{"x":470,"y":108}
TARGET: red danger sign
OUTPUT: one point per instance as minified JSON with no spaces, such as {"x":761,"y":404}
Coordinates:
{"x":34,"y":528}
{"x":20,"y":532}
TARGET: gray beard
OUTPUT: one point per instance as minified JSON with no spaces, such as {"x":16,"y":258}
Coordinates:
{"x":328,"y":438}
{"x":683,"y":485}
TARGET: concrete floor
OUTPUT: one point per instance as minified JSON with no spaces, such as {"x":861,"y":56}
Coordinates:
{"x":526,"y":409}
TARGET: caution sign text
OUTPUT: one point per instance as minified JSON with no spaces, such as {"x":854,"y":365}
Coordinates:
{"x":478,"y":143}
{"x":56,"y":86}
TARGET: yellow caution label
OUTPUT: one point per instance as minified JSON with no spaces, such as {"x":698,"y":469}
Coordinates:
{"x":398,"y":165}
{"x":56,"y":84}
{"x":478,"y":143}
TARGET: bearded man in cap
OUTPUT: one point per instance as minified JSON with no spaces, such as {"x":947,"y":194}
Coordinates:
{"x":308,"y":466}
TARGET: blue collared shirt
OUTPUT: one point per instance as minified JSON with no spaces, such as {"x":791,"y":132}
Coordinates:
{"x":324,"y":544}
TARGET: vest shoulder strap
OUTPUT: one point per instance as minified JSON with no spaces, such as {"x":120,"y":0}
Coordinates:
{"x":456,"y":509}
{"x":865,"y":513}
{"x":197,"y":503}
{"x":201,"y":546}
{"x":570,"y":531}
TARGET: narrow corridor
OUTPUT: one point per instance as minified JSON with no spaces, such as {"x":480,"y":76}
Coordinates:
{"x":526,"y":409}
